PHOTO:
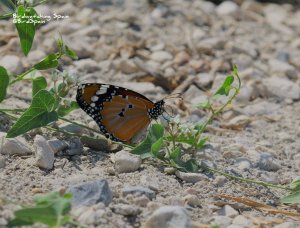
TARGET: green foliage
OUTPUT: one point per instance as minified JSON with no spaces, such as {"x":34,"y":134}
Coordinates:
{"x":69,"y":52}
{"x":9,"y":5}
{"x":4,"y":79}
{"x":51,"y":61}
{"x":51,"y":209}
{"x":295,"y":196}
{"x":154,"y":136}
{"x":26,"y":28}
{"x":38,"y":84}
{"x":65,"y":109}
{"x":40,"y":113}
{"x":176,"y":147}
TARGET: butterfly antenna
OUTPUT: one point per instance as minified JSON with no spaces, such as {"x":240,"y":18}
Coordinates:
{"x":174,"y":96}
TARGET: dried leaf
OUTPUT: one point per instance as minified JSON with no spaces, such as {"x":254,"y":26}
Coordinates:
{"x":259,"y":206}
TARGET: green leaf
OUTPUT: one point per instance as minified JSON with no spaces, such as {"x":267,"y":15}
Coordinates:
{"x":187,"y":166}
{"x":9,"y":5}
{"x":293,"y":198}
{"x":201,"y":143}
{"x":176,"y":154}
{"x":69,"y":52}
{"x":205,"y":104}
{"x":26,"y":27}
{"x":28,"y":216}
{"x":38,"y":84}
{"x":295,"y":184}
{"x":226,"y":86}
{"x":62,"y":89}
{"x":65,"y":110}
{"x":156,"y":147}
{"x":235,"y":70}
{"x":4,"y":81}
{"x":40,"y":113}
{"x":51,"y":209}
{"x":155,"y":132}
{"x":49,"y":62}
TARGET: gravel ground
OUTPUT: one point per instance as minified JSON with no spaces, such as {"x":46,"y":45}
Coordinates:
{"x":156,"y":49}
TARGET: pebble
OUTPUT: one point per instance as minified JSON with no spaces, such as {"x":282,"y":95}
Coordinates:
{"x":281,"y":88}
{"x":243,"y":221}
{"x":87,"y":65}
{"x":287,"y":225}
{"x":57,"y":145}
{"x":126,"y":162}
{"x":75,"y":147}
{"x":220,"y":181}
{"x":43,"y":153}
{"x":90,"y":193}
{"x":281,"y":68}
{"x":181,"y":58}
{"x":12,"y":63}
{"x":243,"y":164}
{"x":222,"y":221}
{"x":267,"y":162}
{"x":35,"y":56}
{"x":237,"y":122}
{"x":204,"y":79}
{"x":192,"y":200}
{"x":2,"y":162}
{"x":190,"y":177}
{"x":139,"y":190}
{"x":99,"y":143}
{"x":89,"y":215}
{"x":161,"y":56}
{"x":228,"y":211}
{"x":169,"y":216}
{"x":13,"y":146}
{"x":92,"y":31}
{"x":126,"y":66}
{"x":81,"y":46}
{"x":126,"y":210}
{"x":151,"y":182}
{"x":72,"y":128}
{"x":261,"y":108}
{"x":227,"y":8}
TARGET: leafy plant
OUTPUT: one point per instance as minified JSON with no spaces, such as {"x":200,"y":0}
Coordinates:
{"x":51,"y":209}
{"x":294,"y":197}
{"x":176,"y":148}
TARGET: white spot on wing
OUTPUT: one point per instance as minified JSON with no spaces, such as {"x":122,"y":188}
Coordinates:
{"x":94,"y":98}
{"x":93,"y":104}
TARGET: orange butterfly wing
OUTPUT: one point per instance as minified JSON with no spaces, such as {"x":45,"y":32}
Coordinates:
{"x":119,"y":112}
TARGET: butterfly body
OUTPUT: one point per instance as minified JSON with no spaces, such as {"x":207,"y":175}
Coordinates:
{"x":119,"y":112}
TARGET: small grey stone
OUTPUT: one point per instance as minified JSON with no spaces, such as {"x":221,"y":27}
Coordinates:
{"x":57,"y":145}
{"x":87,"y":65}
{"x":12,"y":63}
{"x":13,"y":146}
{"x":100,"y":143}
{"x":190,"y":177}
{"x":204,"y":79}
{"x":69,"y":127}
{"x":126,"y":66}
{"x":126,"y":210}
{"x":161,"y":56}
{"x":192,"y":200}
{"x":35,"y":56}
{"x":243,"y":164}
{"x":90,"y":193}
{"x":92,"y":31}
{"x":281,"y":88}
{"x":242,"y":220}
{"x":228,"y":211}
{"x":43,"y":153}
{"x":222,"y":221}
{"x":268,"y":177}
{"x":2,"y":162}
{"x":266,"y":162}
{"x":75,"y":147}
{"x":220,"y":181}
{"x":227,"y":8}
{"x":139,"y":190}
{"x":288,"y":225}
{"x":126,"y":162}
{"x":169,"y":216}
{"x":81,"y":46}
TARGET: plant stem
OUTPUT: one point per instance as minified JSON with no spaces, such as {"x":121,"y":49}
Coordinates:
{"x":79,"y":124}
{"x":245,"y":179}
{"x":21,"y":76}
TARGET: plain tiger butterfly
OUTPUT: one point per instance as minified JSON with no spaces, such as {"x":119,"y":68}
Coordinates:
{"x":119,"y":112}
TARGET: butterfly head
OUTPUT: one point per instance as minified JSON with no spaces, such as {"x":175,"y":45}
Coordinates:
{"x":157,"y":110}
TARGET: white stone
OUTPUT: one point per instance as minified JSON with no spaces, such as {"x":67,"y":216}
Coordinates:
{"x":35,"y":56}
{"x":161,"y":56}
{"x":190,"y":177}
{"x":228,"y":211}
{"x":169,"y":216}
{"x":222,"y":221}
{"x":227,"y":8}
{"x":126,"y":162}
{"x":243,"y":221}
{"x":13,"y":146}
{"x":282,"y":88}
{"x":87,"y":65}
{"x":2,"y":162}
{"x":192,"y":200}
{"x":12,"y":63}
{"x":43,"y":153}
{"x":57,"y":145}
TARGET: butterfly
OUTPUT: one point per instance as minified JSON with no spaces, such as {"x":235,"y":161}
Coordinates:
{"x":119,"y":112}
